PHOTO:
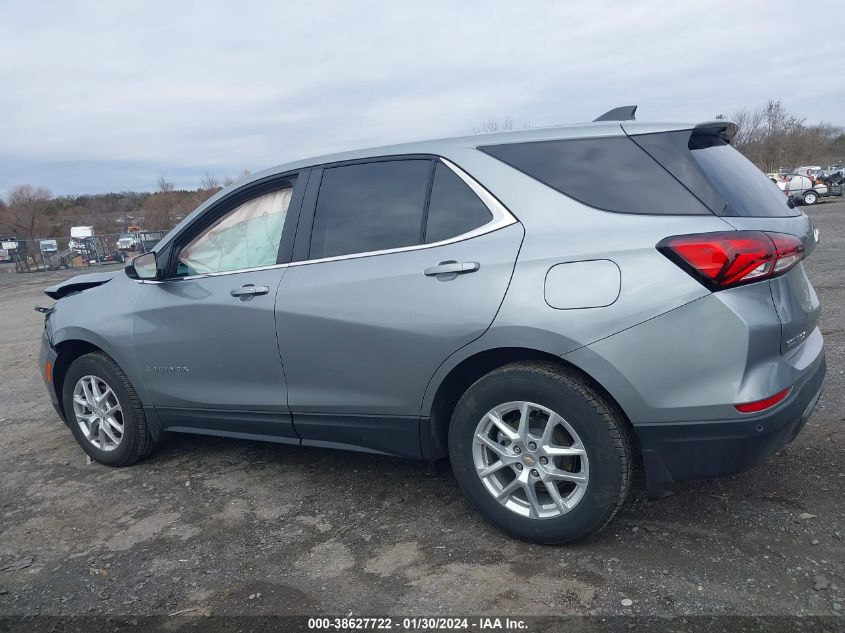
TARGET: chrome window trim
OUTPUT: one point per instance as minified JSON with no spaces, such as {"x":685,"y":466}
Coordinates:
{"x":501,"y":218}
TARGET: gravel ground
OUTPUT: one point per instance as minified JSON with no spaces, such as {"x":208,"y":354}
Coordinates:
{"x":233,"y":527}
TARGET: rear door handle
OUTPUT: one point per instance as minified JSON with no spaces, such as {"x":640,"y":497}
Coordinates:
{"x":452,"y":268}
{"x":248,"y":291}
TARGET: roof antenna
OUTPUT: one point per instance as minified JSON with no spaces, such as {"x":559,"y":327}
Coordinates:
{"x":622,"y":113}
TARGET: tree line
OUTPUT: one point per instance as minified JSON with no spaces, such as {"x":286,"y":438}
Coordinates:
{"x":768,"y":135}
{"x":774,"y":139}
{"x":31,"y":213}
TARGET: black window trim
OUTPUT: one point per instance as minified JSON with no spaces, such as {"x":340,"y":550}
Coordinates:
{"x":501,"y":216}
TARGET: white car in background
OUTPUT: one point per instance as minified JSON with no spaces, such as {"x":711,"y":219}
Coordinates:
{"x":802,"y":188}
{"x":810,"y":171}
{"x":128,"y":242}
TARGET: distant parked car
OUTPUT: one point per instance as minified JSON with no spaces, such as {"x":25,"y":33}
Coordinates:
{"x":798,"y":187}
{"x":811,"y":171}
{"x":837,"y":169}
{"x":805,"y":190}
{"x":7,"y":249}
{"x":149,"y":239}
{"x":128,"y":242}
{"x":49,"y":246}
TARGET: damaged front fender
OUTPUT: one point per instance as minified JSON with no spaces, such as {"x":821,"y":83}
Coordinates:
{"x":78,"y":284}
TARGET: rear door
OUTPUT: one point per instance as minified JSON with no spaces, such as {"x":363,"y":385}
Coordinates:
{"x":401,"y":262}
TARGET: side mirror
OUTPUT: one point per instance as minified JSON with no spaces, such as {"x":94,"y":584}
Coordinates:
{"x":142,"y":267}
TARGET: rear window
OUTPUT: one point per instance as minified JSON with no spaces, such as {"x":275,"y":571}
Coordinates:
{"x":747,"y":190}
{"x":612,"y":174}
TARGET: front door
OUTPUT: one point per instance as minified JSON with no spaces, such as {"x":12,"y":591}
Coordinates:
{"x":405,"y":264}
{"x":205,"y":336}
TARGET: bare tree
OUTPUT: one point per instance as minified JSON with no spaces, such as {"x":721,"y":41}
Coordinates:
{"x":27,"y":211}
{"x":774,"y":139}
{"x":505,"y":124}
{"x":491,"y":126}
{"x":209,"y":181}
{"x":165,"y":185}
{"x":748,"y":122}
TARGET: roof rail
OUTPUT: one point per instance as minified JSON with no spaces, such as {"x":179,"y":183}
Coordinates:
{"x":622,"y":113}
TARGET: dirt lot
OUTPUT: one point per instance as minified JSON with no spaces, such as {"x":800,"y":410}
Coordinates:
{"x":235,"y":527}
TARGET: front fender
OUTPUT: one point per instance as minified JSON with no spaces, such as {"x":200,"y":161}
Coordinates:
{"x":102,"y":317}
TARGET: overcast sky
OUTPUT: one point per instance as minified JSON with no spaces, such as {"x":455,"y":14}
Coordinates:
{"x":108,"y":96}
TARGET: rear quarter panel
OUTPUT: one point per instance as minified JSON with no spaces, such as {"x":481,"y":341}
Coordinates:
{"x":560,"y":230}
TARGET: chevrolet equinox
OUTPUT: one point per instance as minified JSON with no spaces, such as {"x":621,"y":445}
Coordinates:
{"x":544,"y":308}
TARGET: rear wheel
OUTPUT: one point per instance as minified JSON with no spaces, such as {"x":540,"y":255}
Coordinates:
{"x":540,"y":453}
{"x":811,"y":197}
{"x":104,"y":411}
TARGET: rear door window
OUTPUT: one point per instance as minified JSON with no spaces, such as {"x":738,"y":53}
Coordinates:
{"x":608,"y":173}
{"x":454,"y":209}
{"x":370,"y":207}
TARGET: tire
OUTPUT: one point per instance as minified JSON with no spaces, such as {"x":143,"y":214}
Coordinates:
{"x":590,"y":426}
{"x":135,"y":440}
{"x":811,"y":197}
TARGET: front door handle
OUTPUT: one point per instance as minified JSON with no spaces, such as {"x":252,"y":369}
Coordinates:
{"x":248,"y":291}
{"x":452,"y":268}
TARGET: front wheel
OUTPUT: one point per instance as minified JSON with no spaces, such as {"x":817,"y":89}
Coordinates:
{"x":104,"y":412}
{"x":811,"y":197}
{"x":540,"y":453}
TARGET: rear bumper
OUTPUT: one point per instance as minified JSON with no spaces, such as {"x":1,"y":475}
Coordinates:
{"x":675,"y":452}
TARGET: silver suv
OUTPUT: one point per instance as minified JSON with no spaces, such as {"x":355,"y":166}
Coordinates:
{"x":544,"y":308}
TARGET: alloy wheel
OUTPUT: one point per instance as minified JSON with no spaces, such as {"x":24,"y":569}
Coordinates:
{"x":98,"y":412}
{"x":530,"y":460}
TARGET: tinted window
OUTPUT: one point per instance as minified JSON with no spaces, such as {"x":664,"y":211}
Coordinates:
{"x":748,"y":191}
{"x":246,"y":237}
{"x":612,"y":174}
{"x":370,"y":207}
{"x":454,"y":208}
{"x":671,"y":149}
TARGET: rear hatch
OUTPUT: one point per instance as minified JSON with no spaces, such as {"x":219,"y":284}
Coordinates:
{"x":733,"y":188}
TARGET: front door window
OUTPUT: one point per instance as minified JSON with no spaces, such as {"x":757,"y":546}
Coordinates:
{"x":248,"y":236}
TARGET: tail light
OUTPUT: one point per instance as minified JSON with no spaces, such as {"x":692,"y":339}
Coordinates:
{"x":765,"y":403}
{"x":732,"y":258}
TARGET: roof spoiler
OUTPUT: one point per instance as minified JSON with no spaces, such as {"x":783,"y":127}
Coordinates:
{"x":622,"y":113}
{"x":722,"y":129}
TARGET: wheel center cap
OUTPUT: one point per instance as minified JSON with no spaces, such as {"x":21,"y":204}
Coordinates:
{"x":528,"y":460}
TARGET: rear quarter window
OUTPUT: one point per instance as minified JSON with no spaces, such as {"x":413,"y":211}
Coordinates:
{"x":611,"y":174}
{"x":453,"y":208}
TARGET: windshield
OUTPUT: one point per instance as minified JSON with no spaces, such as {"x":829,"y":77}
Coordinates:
{"x":748,"y":191}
